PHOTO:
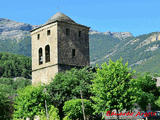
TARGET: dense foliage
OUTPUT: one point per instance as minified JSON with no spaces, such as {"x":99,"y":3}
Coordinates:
{"x":5,"y":103}
{"x":157,"y":102}
{"x":148,"y":91}
{"x":13,"y":84}
{"x":112,"y":88}
{"x":30,"y":102}
{"x":66,"y":86}
{"x":8,"y":88}
{"x":73,"y":109}
{"x":52,"y":114}
{"x":14,"y":66}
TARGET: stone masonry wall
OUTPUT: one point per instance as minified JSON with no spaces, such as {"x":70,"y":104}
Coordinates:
{"x":73,"y":41}
{"x":39,"y":73}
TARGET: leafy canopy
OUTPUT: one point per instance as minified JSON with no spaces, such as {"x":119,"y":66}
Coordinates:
{"x":148,"y":92}
{"x":12,"y":65}
{"x":30,"y":102}
{"x":112,"y":87}
{"x":8,"y":89}
{"x":73,"y":108}
{"x":5,"y":103}
{"x":52,"y":114}
{"x":67,"y":85}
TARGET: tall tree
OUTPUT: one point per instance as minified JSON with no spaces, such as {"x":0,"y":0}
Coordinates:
{"x":5,"y":103}
{"x":148,"y":92}
{"x":66,"y":86}
{"x":30,"y":102}
{"x":8,"y":90}
{"x":112,"y":87}
{"x":73,"y":109}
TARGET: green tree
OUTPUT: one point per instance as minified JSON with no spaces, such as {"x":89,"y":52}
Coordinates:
{"x":148,"y":92}
{"x":30,"y":102}
{"x":52,"y":115}
{"x":5,"y":103}
{"x":73,"y":109}
{"x":8,"y":88}
{"x":12,"y":85}
{"x":112,"y":88}
{"x":12,"y":65}
{"x":66,"y":86}
{"x":157,"y":102}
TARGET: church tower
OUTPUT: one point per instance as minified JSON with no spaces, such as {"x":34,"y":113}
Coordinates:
{"x":58,"y":45}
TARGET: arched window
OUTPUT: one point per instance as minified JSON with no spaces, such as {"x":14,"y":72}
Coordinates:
{"x":40,"y":52}
{"x":47,"y":53}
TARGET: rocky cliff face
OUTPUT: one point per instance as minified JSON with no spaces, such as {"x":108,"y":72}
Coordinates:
{"x":119,"y":35}
{"x":13,"y":30}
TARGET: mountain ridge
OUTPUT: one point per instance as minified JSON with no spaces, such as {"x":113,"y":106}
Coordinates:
{"x":139,"y":51}
{"x":120,"y":35}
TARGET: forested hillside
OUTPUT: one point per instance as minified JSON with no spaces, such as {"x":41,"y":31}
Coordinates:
{"x":22,"y":47}
{"x":12,"y":66}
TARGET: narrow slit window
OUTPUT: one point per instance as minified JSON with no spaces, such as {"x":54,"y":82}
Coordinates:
{"x":73,"y":52}
{"x":48,"y":32}
{"x":47,"y":53}
{"x":79,"y":34}
{"x":67,"y":31}
{"x":40,"y":56}
{"x":38,"y":36}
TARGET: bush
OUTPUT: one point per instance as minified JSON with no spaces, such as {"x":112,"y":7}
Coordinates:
{"x":30,"y":102}
{"x":5,"y":104}
{"x":73,"y":109}
{"x":8,"y":88}
{"x":148,"y":92}
{"x":157,"y":102}
{"x":66,"y":118}
{"x":53,"y":114}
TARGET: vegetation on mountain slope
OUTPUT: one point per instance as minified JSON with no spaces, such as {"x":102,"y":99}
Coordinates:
{"x":12,"y":65}
{"x":100,"y":45}
{"x":22,"y":47}
{"x":141,"y":52}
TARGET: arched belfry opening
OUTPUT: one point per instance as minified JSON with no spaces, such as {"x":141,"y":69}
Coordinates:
{"x":40,"y":53}
{"x":47,"y":53}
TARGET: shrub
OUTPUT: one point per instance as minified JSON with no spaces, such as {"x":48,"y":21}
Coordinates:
{"x":30,"y":102}
{"x":73,"y":109}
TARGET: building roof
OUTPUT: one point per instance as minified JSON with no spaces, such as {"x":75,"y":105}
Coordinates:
{"x":60,"y":17}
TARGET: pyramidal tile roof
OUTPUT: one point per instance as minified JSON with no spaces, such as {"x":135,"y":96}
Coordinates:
{"x":60,"y":17}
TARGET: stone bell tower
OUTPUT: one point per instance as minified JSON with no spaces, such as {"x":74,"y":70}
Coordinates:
{"x":60,"y":44}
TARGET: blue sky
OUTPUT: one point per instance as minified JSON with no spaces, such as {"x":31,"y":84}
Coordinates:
{"x":135,"y":16}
